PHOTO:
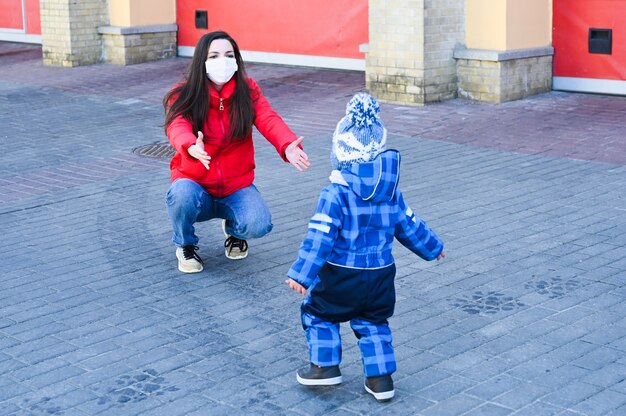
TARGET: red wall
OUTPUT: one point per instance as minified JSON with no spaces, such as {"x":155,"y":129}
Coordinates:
{"x":11,"y":16}
{"x":572,"y":20}
{"x":332,"y":28}
{"x":33,"y":21}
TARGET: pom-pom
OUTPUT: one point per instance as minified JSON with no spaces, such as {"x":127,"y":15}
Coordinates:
{"x":363,"y":110}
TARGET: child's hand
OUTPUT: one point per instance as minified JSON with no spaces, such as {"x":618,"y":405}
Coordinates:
{"x":442,"y":255}
{"x":296,"y":286}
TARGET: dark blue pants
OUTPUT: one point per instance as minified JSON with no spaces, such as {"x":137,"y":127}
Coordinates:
{"x":366,"y":298}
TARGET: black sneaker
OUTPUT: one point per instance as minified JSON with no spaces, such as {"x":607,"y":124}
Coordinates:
{"x":380,"y":387}
{"x":188,"y":259}
{"x":314,"y":375}
{"x":234,"y":248}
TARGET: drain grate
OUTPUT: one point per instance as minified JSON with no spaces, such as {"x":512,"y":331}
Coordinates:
{"x":155,"y":150}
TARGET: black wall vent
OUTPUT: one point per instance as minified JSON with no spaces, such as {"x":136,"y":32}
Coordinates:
{"x":600,"y":41}
{"x":202,"y":19}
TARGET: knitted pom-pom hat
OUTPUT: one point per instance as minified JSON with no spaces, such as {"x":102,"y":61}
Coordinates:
{"x":360,"y":136}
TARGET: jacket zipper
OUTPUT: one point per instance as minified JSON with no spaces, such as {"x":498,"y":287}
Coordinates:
{"x":220,"y":183}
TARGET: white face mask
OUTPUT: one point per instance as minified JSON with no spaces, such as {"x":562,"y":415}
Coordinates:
{"x":220,"y":70}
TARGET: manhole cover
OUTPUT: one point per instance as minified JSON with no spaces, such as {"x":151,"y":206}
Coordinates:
{"x":155,"y":150}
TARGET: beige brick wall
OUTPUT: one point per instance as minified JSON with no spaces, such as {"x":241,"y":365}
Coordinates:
{"x":411,"y":43}
{"x":479,"y":80}
{"x":444,"y":22}
{"x":69,"y":31}
{"x":128,"y":49}
{"x":525,"y":77}
{"x":502,"y":81}
{"x":395,"y":61}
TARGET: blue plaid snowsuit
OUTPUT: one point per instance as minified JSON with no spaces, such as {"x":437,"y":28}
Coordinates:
{"x":346,"y":263}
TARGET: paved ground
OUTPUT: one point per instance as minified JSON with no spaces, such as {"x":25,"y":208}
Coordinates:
{"x":526,"y":315}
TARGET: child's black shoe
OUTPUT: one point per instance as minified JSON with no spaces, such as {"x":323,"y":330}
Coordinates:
{"x":380,"y":387}
{"x":314,"y":375}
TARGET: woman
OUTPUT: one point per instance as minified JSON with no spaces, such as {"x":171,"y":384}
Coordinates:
{"x":209,"y":119}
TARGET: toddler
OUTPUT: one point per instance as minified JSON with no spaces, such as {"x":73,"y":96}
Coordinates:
{"x":345,"y":261}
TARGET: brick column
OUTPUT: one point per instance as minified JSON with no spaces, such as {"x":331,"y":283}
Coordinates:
{"x":508,"y":55}
{"x":394,"y":65}
{"x":139,"y":31}
{"x":69,"y":31}
{"x":410,"y":52}
{"x":133,"y":45}
{"x":497,"y":77}
{"x":444,"y":23}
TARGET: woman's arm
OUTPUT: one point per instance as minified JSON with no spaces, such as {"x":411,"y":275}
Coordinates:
{"x":181,"y":137}
{"x":276,"y":131}
{"x":180,"y":134}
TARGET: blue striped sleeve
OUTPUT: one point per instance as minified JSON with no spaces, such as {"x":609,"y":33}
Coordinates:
{"x":321,"y":235}
{"x":413,"y":233}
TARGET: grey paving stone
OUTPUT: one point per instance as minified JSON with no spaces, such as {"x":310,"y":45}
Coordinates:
{"x":445,"y":389}
{"x":11,"y":390}
{"x":496,"y":386}
{"x":53,"y":377}
{"x":598,"y":358}
{"x":453,"y":405}
{"x":540,"y":409}
{"x":569,"y":352}
{"x":561,"y":376}
{"x":489,"y":409}
{"x":183,"y":406}
{"x":217,"y":409}
{"x":620,"y":387}
{"x":525,"y":316}
{"x":9,"y":408}
{"x":601,"y":404}
{"x":571,"y":394}
{"x":524,"y":393}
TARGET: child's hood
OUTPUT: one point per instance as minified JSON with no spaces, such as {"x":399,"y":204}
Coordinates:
{"x":374,"y":181}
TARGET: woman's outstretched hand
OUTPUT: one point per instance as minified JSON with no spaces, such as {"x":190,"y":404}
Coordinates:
{"x":296,"y":156}
{"x":296,"y":286}
{"x":197,"y":151}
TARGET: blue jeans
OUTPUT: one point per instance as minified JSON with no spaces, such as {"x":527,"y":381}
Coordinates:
{"x":246,"y":214}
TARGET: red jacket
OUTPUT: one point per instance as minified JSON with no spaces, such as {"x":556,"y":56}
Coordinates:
{"x":232,"y":161}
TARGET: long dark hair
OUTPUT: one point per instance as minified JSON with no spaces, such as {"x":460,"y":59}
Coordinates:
{"x":191,"y":98}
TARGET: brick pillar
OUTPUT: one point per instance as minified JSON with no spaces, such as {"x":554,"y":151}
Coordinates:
{"x":394,"y":65}
{"x":444,"y":23}
{"x":508,"y":55}
{"x":134,"y":45}
{"x":139,"y":31}
{"x":69,"y":31}
{"x":497,"y":77}
{"x":410,"y":52}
